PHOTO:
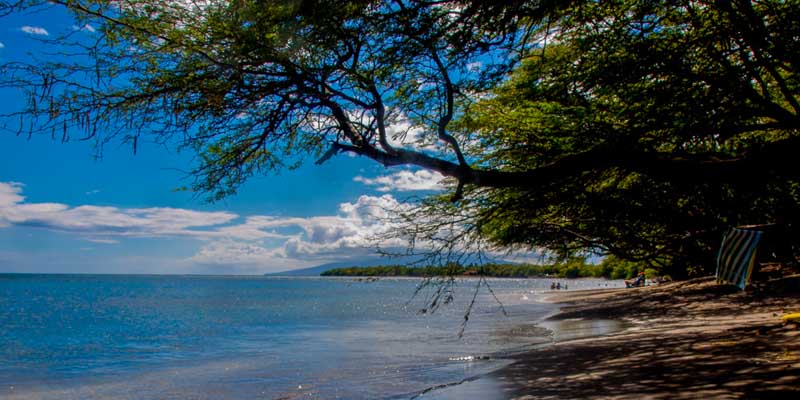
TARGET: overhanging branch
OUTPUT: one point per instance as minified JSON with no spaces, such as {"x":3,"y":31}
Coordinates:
{"x":688,"y":168}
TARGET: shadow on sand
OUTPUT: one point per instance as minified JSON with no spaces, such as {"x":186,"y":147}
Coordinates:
{"x":690,"y":366}
{"x":689,"y":360}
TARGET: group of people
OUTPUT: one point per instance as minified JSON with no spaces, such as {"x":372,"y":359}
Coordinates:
{"x":630,"y":283}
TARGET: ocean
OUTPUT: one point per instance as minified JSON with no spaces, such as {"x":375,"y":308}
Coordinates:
{"x":237,"y":337}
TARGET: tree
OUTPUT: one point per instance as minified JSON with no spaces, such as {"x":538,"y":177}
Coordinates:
{"x":657,"y":125}
{"x":636,"y":128}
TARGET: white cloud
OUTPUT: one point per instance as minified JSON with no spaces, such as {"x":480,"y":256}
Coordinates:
{"x":94,"y":220}
{"x":10,"y":193}
{"x":35,"y":30}
{"x":91,"y":192}
{"x":226,"y":256}
{"x":253,"y":228}
{"x":232,"y":252}
{"x":2,"y":45}
{"x":402,"y":134}
{"x":85,"y":28}
{"x":102,"y":241}
{"x":349,"y":235}
{"x":475,"y":66}
{"x":371,"y":209}
{"x":403,"y":181}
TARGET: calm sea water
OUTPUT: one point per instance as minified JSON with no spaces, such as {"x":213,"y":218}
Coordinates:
{"x":204,"y":337}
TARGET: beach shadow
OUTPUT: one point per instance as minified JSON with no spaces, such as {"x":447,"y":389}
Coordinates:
{"x":688,"y":366}
{"x":745,"y":362}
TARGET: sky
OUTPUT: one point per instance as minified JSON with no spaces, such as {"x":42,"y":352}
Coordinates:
{"x":62,"y":211}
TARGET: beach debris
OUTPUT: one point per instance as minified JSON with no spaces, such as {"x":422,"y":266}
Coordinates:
{"x":793,"y":318}
{"x":786,"y":356}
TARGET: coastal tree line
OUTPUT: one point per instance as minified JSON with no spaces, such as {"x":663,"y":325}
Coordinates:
{"x":638,"y":129}
{"x":610,"y":268}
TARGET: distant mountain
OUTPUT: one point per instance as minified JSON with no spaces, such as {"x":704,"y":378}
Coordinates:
{"x":315,"y":271}
{"x":364,"y":262}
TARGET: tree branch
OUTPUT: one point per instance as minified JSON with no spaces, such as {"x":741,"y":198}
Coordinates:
{"x":445,"y":119}
{"x":697,"y":168}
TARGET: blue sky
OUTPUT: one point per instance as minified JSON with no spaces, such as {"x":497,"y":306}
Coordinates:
{"x":63,"y":211}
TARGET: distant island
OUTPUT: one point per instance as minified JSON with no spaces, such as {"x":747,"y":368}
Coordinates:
{"x":610,"y":268}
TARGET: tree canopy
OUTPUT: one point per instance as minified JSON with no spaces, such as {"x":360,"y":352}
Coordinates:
{"x":650,"y":127}
{"x":638,"y":128}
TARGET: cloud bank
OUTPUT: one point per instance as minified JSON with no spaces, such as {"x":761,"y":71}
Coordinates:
{"x":242,"y":244}
{"x":102,"y":220}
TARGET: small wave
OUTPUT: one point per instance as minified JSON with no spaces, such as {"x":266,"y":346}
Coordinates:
{"x":443,"y":386}
{"x":470,"y":358}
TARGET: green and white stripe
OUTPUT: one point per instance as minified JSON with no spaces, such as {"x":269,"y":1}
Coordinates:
{"x":737,"y":256}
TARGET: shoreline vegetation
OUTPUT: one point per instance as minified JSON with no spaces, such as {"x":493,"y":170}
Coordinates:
{"x":610,"y":268}
{"x":685,"y":340}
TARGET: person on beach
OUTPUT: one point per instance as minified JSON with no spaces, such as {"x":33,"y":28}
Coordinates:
{"x":552,"y":286}
{"x":558,"y":286}
{"x":639,"y":281}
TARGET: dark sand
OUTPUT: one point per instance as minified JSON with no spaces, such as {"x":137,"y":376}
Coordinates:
{"x":687,"y":340}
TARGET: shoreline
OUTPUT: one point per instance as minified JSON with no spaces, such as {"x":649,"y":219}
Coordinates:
{"x":557,"y":330}
{"x":683,"y":340}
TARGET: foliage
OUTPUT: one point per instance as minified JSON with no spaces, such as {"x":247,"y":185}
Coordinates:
{"x":615,"y":268}
{"x":572,"y":268}
{"x":636,"y":128}
{"x":649,"y":128}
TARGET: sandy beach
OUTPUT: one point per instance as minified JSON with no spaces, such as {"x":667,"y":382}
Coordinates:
{"x":684,"y":340}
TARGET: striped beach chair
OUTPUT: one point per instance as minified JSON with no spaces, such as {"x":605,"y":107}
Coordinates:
{"x":737,"y":256}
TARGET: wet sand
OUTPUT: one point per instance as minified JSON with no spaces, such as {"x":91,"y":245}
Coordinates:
{"x":683,"y":340}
